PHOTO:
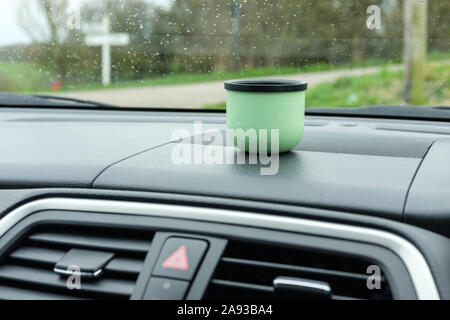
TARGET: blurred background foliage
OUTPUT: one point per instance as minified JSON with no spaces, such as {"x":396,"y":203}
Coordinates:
{"x":204,"y":36}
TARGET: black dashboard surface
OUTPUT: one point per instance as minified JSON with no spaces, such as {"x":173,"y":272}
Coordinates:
{"x":357,"y":165}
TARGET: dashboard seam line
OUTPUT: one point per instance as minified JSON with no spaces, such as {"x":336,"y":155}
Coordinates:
{"x":126,"y":158}
{"x":413,"y":179}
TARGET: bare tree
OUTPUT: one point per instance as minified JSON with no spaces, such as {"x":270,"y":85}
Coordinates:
{"x":33,"y":27}
{"x":43,"y":19}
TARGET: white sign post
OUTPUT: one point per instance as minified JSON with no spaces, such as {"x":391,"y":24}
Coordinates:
{"x":106,"y":39}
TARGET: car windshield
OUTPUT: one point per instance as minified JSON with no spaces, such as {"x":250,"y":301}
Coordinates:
{"x":177,"y":53}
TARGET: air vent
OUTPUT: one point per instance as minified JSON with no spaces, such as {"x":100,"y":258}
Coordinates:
{"x":27,"y":272}
{"x":248,"y":271}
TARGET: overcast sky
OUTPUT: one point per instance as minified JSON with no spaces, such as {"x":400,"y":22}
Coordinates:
{"x":10,"y":31}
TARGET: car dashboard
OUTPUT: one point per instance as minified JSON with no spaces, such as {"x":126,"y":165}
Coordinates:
{"x":99,"y":190}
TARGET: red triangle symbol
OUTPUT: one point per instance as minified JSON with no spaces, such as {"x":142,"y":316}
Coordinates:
{"x":177,"y":260}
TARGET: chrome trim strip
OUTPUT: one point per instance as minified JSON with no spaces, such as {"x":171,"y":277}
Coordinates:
{"x":292,"y":282}
{"x":64,"y":272}
{"x":412,"y":258}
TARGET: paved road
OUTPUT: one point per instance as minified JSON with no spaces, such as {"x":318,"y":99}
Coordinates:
{"x":196,"y":95}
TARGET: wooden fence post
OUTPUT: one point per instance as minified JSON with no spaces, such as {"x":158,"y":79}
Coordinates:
{"x":415,"y":49}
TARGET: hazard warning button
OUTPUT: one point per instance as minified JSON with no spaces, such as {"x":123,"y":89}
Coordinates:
{"x":180,"y":258}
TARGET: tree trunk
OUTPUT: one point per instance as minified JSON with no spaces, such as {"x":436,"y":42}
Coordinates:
{"x":358,"y":42}
{"x":415,"y":50}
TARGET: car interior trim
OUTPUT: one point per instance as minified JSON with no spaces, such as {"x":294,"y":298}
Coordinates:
{"x":414,"y":261}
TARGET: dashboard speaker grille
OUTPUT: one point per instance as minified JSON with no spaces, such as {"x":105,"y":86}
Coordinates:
{"x":247,"y":271}
{"x":357,"y":143}
{"x":26,"y":272}
{"x":365,"y":144}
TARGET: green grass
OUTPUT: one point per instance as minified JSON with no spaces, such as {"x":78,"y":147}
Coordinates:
{"x":23,"y":77}
{"x":185,"y":78}
{"x":383,"y":88}
{"x":27,"y":77}
{"x":438,"y":55}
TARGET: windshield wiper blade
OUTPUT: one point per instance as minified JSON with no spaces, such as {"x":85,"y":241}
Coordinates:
{"x":78,"y":101}
{"x":437,"y":113}
{"x":447,"y":108}
{"x":42,"y":101}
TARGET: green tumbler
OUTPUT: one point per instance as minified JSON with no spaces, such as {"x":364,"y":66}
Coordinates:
{"x":261,"y":107}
